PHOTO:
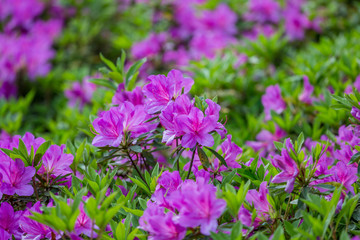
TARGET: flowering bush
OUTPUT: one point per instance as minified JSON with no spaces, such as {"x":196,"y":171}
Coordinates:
{"x":219,"y":120}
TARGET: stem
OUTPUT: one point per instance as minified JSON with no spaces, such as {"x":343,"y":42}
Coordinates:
{"x":35,"y":189}
{"x":191,"y":163}
{"x":136,"y":168}
{"x":177,"y":153}
{"x":100,"y":234}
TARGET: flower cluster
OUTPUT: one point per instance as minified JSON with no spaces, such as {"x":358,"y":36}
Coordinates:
{"x":190,"y":204}
{"x":26,"y":42}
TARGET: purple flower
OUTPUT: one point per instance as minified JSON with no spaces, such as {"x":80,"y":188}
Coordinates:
{"x":179,"y":57}
{"x":344,"y":174}
{"x":136,"y":96}
{"x":295,"y":23}
{"x":9,"y":220}
{"x":259,"y":199}
{"x":355,"y":112}
{"x":34,"y":229}
{"x":222,"y":19}
{"x":83,"y":224}
{"x":308,"y":90}
{"x":288,"y":166}
{"x":16,"y":177}
{"x":169,"y":181}
{"x":110,"y":129}
{"x":56,"y":162}
{"x":263,"y":11}
{"x":246,"y":218}
{"x":80,"y":93}
{"x":197,"y":205}
{"x":265,"y":141}
{"x":231,"y":151}
{"x":160,"y":226}
{"x":272,"y":100}
{"x":112,"y":124}
{"x":148,"y":47}
{"x":4,"y":234}
{"x":197,"y":128}
{"x":161,"y":90}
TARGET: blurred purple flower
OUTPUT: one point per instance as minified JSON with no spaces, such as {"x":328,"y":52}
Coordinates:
{"x":305,"y":96}
{"x":263,"y":11}
{"x":272,"y":100}
{"x":148,"y":47}
{"x":80,"y":93}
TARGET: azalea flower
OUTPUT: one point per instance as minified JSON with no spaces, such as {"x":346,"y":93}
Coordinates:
{"x":16,"y":177}
{"x":197,"y":128}
{"x":163,"y":89}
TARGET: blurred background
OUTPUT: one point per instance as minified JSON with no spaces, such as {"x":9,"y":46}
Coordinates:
{"x":53,"y":79}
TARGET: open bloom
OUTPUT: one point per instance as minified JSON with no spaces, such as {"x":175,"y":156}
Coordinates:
{"x":9,"y":220}
{"x":182,"y":105}
{"x":56,"y":162}
{"x":80,"y":93}
{"x":231,"y":151}
{"x":197,"y":205}
{"x":197,"y":128}
{"x":16,"y":177}
{"x":161,"y":90}
{"x":32,"y":228}
{"x":112,"y":124}
{"x":288,"y":166}
{"x":160,"y":225}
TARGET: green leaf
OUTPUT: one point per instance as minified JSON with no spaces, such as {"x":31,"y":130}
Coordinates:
{"x":136,"y":212}
{"x":109,"y":63}
{"x":132,"y":70}
{"x":218,"y":156}
{"x":203,"y":157}
{"x":104,"y":82}
{"x":355,"y":158}
{"x":136,"y":148}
